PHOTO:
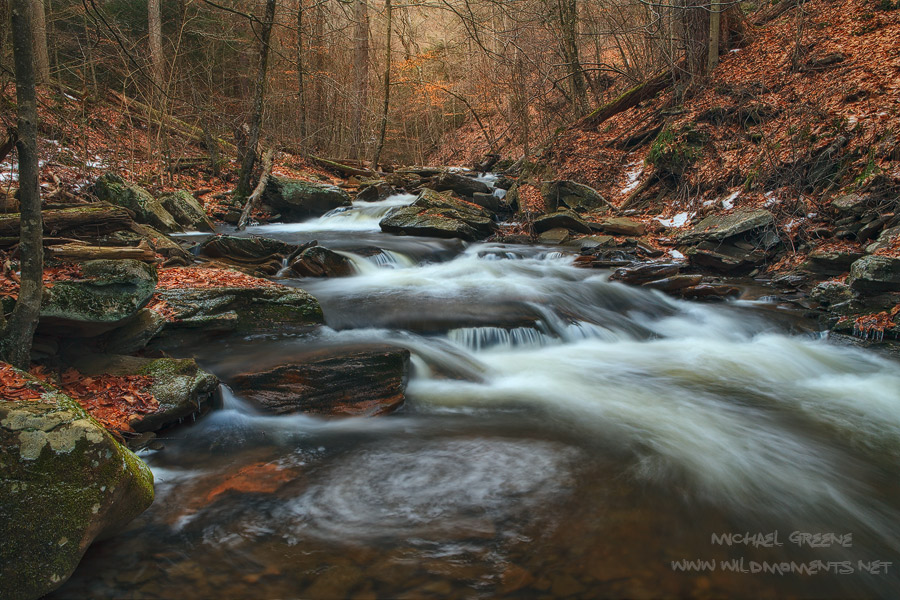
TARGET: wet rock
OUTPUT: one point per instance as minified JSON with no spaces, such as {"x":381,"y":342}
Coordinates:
{"x":593,"y":242}
{"x":186,"y":211}
{"x":716,"y":228}
{"x":725,"y":258}
{"x":459,"y":184}
{"x":322,"y":262}
{"x":621,"y":226}
{"x":643,"y":273}
{"x":613,"y":258}
{"x":366,"y":380}
{"x":245,"y":249}
{"x":831,"y":261}
{"x":335,"y":582}
{"x":179,"y":385}
{"x":710,"y":291}
{"x":297,"y":199}
{"x":565,"y":219}
{"x":64,"y":481}
{"x":489,"y":201}
{"x":134,"y":334}
{"x":514,"y":578}
{"x":831,"y":292}
{"x":374,"y":191}
{"x":578,"y":197}
{"x":440,"y":215}
{"x":554,"y":236}
{"x":110,"y":292}
{"x":504,"y":183}
{"x":875,"y":274}
{"x":673,"y":283}
{"x":113,"y":189}
{"x":213,"y":311}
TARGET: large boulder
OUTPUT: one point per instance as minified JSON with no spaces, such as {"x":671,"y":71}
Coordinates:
{"x":298,"y":199}
{"x":147,"y":209}
{"x":245,"y":249}
{"x":725,"y":258}
{"x":875,"y":274}
{"x":716,"y":228}
{"x":621,"y":226}
{"x":440,"y":215}
{"x":576,"y":196}
{"x":459,"y":184}
{"x":180,"y":387}
{"x":64,"y":481}
{"x":565,"y":219}
{"x":366,"y":380}
{"x":198,"y":312}
{"x":887,"y":239}
{"x":110,"y":292}
{"x":829,"y":260}
{"x":185,"y":209}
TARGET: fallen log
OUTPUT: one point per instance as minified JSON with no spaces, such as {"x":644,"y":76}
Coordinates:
{"x":82,"y":252}
{"x":342,"y":168}
{"x":629,"y":99}
{"x":95,"y":219}
{"x":773,"y":12}
{"x":268,"y":159}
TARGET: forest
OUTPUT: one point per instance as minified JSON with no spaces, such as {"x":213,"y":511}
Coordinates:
{"x":449,"y":299}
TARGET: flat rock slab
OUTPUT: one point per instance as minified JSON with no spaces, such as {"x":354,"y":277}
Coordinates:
{"x":361,"y":381}
{"x":565,"y":219}
{"x":875,"y":274}
{"x":298,"y":199}
{"x":715,"y":228}
{"x":621,"y":226}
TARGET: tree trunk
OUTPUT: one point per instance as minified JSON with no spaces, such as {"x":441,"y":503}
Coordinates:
{"x":157,"y":60}
{"x":15,"y":343}
{"x":41,"y":54}
{"x":258,"y":191}
{"x":568,"y":25}
{"x":96,"y":219}
{"x":360,"y":73}
{"x":715,"y":14}
{"x":387,"y":86}
{"x":243,"y":188}
{"x":301,"y":99}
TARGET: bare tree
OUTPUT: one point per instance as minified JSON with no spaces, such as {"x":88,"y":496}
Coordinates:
{"x":41,"y":54}
{"x":249,"y":160}
{"x":387,"y":84}
{"x":18,"y":332}
{"x":157,"y":59}
{"x":360,"y":72}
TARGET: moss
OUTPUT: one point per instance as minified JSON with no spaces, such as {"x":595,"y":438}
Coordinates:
{"x":674,"y":151}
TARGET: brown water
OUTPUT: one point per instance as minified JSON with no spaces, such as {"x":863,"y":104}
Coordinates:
{"x":564,"y":437}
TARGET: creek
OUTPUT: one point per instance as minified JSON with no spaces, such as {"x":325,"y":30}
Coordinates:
{"x":564,"y":436}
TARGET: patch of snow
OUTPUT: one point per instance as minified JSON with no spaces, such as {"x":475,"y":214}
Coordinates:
{"x":70,"y":97}
{"x":633,"y":177}
{"x":96,"y":163}
{"x":851,"y":120}
{"x":735,"y":50}
{"x":708,"y":202}
{"x":771,"y":200}
{"x":500,"y":193}
{"x":812,"y":215}
{"x":458,"y":169}
{"x":676,"y":254}
{"x":728,"y":203}
{"x":676,"y":221}
{"x":6,"y":176}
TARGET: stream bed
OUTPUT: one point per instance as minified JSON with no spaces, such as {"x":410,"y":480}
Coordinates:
{"x":563,"y":437}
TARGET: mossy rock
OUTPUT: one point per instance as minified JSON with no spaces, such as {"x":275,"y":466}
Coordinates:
{"x":440,"y":215}
{"x":875,"y":274}
{"x":565,"y":219}
{"x":459,"y":184}
{"x":322,"y":262}
{"x":716,"y":228}
{"x":110,"y":292}
{"x":244,"y":311}
{"x":64,"y":481}
{"x":674,"y":151}
{"x":147,"y":209}
{"x":577,"y":196}
{"x":179,"y":385}
{"x":186,"y":211}
{"x":298,"y":199}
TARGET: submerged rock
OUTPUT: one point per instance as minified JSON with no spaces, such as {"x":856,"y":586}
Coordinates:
{"x":366,"y":380}
{"x":64,"y":481}
{"x":440,"y":215}
{"x":113,"y":189}
{"x":111,"y":292}
{"x":298,"y":199}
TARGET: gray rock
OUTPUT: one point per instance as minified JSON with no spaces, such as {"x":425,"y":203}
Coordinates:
{"x":724,"y":257}
{"x":886,"y":239}
{"x":322,"y":262}
{"x":593,"y":242}
{"x":460,"y":184}
{"x":297,"y":199}
{"x":440,"y":215}
{"x":875,"y":273}
{"x":563,"y":218}
{"x":831,"y":292}
{"x":488,"y":201}
{"x":113,"y":189}
{"x":185,"y":209}
{"x":110,"y":292}
{"x":715,"y":228}
{"x":64,"y":481}
{"x":621,"y":226}
{"x":851,"y":204}
{"x":577,"y":196}
{"x":134,"y":334}
{"x":831,"y":262}
{"x":243,"y":249}
{"x":558,"y":235}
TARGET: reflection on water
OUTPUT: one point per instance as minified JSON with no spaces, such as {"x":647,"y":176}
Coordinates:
{"x":564,"y":437}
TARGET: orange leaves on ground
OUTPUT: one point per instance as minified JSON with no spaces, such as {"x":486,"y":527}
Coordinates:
{"x":9,"y":280}
{"x":877,"y":323}
{"x":530,"y":199}
{"x":200,"y":277}
{"x":14,"y":387}
{"x":111,"y":399}
{"x":259,"y":477}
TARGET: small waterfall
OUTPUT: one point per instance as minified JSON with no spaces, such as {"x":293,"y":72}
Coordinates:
{"x":482,"y":338}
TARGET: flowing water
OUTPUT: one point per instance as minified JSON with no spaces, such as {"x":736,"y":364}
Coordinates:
{"x":563,"y":437}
